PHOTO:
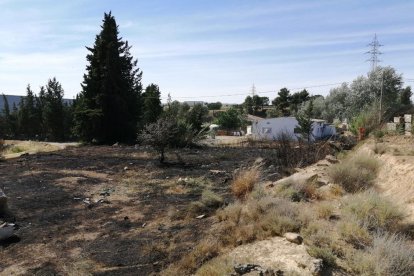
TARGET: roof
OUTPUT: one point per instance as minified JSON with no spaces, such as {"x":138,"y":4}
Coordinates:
{"x":252,"y":118}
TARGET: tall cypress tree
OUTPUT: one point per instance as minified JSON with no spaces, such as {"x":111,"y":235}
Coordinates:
{"x":108,"y":107}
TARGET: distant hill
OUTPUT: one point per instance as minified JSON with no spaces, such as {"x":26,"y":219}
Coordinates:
{"x":12,"y":99}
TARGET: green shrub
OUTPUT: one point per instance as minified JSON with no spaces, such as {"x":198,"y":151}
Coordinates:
{"x":323,"y":253}
{"x":356,"y":173}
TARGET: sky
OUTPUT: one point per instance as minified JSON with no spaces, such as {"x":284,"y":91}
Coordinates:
{"x":208,"y":50}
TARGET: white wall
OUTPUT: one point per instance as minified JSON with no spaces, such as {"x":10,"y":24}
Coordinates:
{"x":273,"y":128}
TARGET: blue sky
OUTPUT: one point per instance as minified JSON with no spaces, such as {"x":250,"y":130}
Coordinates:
{"x":202,"y":50}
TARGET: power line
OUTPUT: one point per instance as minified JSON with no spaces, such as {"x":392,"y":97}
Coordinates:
{"x":258,"y":92}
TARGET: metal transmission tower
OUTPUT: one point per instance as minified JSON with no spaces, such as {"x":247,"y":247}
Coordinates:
{"x":374,"y":52}
{"x":253,"y":90}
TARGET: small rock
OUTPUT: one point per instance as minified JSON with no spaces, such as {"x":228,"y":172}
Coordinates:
{"x":317,"y":266}
{"x":125,"y":168}
{"x":116,"y":144}
{"x":144,"y":224}
{"x":242,"y":269}
{"x":200,"y":216}
{"x":293,"y":237}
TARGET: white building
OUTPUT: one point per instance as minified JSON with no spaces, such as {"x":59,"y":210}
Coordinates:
{"x":274,"y":128}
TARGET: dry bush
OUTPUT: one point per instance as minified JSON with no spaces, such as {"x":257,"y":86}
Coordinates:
{"x":299,"y":191}
{"x":373,"y":211}
{"x":244,"y":182}
{"x":206,"y":250}
{"x":323,"y":253}
{"x":389,"y":254}
{"x":216,"y":267}
{"x":257,"y":219}
{"x":355,"y":173}
{"x":379,"y":148}
{"x":355,"y":234}
{"x":209,"y":200}
{"x":323,"y":241}
{"x":324,"y":210}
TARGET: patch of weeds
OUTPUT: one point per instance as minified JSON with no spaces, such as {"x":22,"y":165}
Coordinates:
{"x":379,"y":148}
{"x":244,"y":182}
{"x":353,"y":233}
{"x":389,"y":254}
{"x":218,"y":266}
{"x":324,"y":210}
{"x":209,"y":200}
{"x":373,"y":211}
{"x":206,"y":250}
{"x":356,"y":173}
{"x":323,"y":253}
{"x":258,"y":219}
{"x":16,"y":149}
{"x":299,"y":191}
{"x":195,"y":185}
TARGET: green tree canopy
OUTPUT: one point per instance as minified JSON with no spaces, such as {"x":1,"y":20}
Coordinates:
{"x":109,"y":105}
{"x":152,"y":104}
{"x":282,"y":101}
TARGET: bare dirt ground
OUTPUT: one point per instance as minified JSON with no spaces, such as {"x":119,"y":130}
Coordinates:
{"x":110,"y":210}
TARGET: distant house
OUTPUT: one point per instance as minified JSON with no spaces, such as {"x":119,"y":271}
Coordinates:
{"x":274,"y":128}
{"x":193,"y":103}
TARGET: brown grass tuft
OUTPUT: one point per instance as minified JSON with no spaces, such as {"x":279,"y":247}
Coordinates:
{"x":244,"y":182}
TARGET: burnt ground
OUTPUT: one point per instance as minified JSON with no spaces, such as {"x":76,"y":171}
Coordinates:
{"x":110,"y":210}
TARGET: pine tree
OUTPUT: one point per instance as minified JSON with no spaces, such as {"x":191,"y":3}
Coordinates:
{"x":7,"y":123}
{"x":28,"y":121}
{"x":108,"y":107}
{"x":282,"y":101}
{"x":152,"y":104}
{"x":53,"y":114}
{"x":305,"y":124}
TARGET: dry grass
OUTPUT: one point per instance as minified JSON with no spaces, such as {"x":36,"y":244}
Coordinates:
{"x":206,"y":250}
{"x":324,"y":210}
{"x":356,"y":173}
{"x":15,"y":148}
{"x":389,"y":254}
{"x":321,"y":242}
{"x":373,"y":211}
{"x":244,"y":182}
{"x":216,"y":267}
{"x":258,"y":219}
{"x":355,"y":234}
{"x":380,"y":148}
{"x":209,"y":201}
{"x":299,"y":191}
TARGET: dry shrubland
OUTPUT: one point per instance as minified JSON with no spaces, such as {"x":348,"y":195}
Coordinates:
{"x":355,"y":173}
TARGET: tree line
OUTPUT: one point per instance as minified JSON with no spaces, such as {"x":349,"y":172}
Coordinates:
{"x":114,"y":107}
